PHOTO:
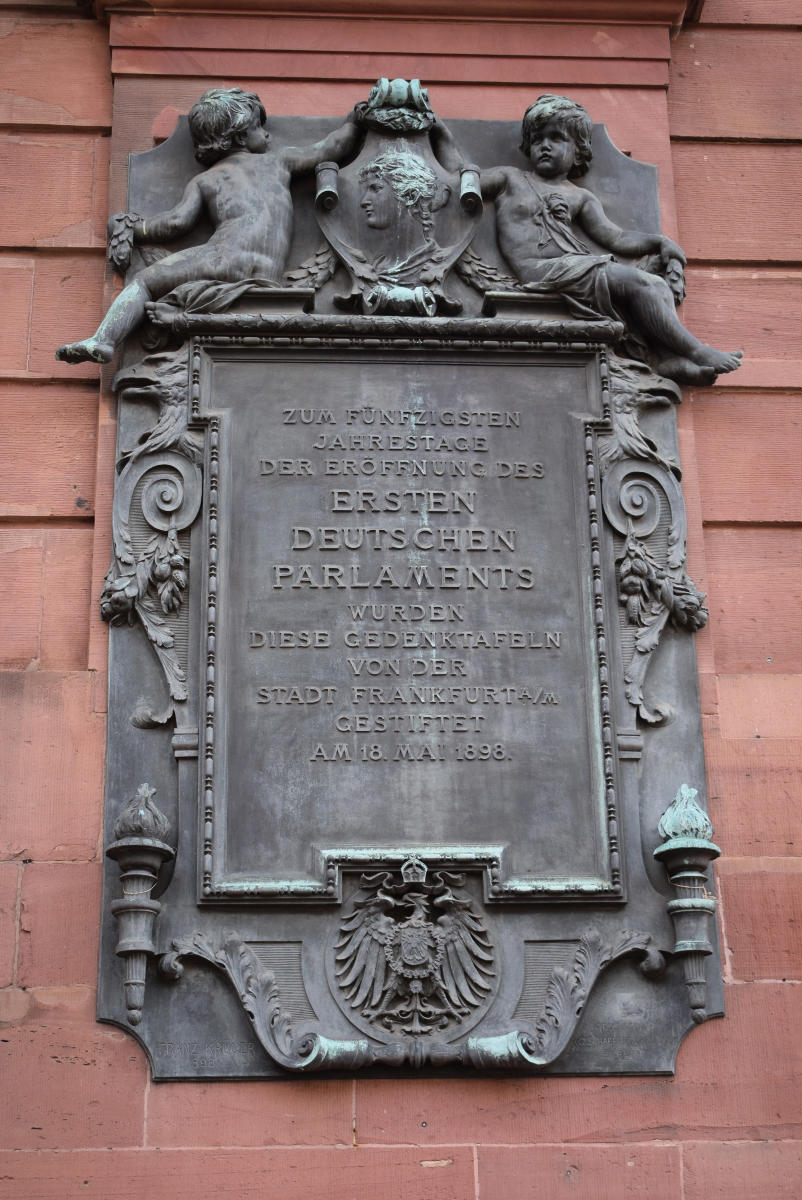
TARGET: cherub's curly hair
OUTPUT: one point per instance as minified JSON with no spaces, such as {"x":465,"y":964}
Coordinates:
{"x":220,"y":120}
{"x":573,"y":116}
{"x":412,"y":180}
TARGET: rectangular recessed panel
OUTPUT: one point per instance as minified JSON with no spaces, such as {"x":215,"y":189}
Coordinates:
{"x":406,"y":651}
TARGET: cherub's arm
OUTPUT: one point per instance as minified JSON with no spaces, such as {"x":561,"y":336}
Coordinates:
{"x":332,"y":148}
{"x":446,"y":150}
{"x":450,"y":156}
{"x":592,"y":218}
{"x":171,"y":224}
{"x":126,"y":228}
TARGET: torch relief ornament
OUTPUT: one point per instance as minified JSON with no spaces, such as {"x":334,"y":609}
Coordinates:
{"x":141,"y":849}
{"x":687,"y":852}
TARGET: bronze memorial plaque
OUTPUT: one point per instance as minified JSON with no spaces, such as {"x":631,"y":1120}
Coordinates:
{"x":404,"y":764}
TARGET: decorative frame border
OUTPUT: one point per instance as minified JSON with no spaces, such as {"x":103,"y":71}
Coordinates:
{"x":359,"y":333}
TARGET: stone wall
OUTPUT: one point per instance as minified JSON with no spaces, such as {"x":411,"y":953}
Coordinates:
{"x":723,"y":136}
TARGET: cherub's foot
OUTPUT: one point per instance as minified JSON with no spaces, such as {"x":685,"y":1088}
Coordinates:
{"x":89,"y":350}
{"x":718,"y":361}
{"x":685,"y":372}
{"x":160,"y":313}
{"x":702,"y":369}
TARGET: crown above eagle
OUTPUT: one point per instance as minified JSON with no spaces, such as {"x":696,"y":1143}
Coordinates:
{"x":414,"y":870}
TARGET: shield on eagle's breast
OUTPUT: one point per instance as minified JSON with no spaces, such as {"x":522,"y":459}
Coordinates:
{"x":416,"y":945}
{"x":396,"y":218}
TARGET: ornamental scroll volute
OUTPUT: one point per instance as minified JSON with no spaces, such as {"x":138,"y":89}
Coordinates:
{"x":644,"y":505}
{"x":156,"y":500}
{"x":399,"y":601}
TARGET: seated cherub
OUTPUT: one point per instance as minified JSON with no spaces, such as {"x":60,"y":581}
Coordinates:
{"x":244,"y":193}
{"x":535,"y":214}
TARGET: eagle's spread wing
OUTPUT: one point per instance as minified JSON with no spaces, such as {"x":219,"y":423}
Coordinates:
{"x":466,"y":968}
{"x":361,"y":963}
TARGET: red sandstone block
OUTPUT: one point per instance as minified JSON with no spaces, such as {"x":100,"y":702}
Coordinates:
{"x":735,"y":309}
{"x":100,"y":690}
{"x":736,"y":483}
{"x":736,"y":83}
{"x":567,"y":71}
{"x":48,"y":192}
{"x":164,"y":124}
{"x":735,"y":1078}
{"x":102,"y":552}
{"x":67,"y":305}
{"x":389,"y":36}
{"x":21,"y":570}
{"x":66,"y":611}
{"x":100,"y":194}
{"x":15,"y":1003}
{"x":696,"y":564}
{"x":760,"y":705}
{"x":595,"y":1172}
{"x":354,"y":1173}
{"x":753,"y":788}
{"x":44,"y":597}
{"x":754,"y":590}
{"x":68,"y":1082}
{"x":755,"y":550}
{"x":16,"y":288}
{"x":9,"y":885}
{"x":47,"y":450}
{"x":54,"y":73}
{"x":751,"y":12}
{"x":708,"y":697}
{"x":761,"y":915}
{"x":738,"y":202}
{"x":52,"y":795}
{"x":310,"y":1112}
{"x":59,"y":924}
{"x":742,"y":1170}
{"x":757,"y":373}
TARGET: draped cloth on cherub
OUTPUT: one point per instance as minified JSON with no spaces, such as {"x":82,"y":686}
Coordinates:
{"x":576,"y":273}
{"x":211,"y":295}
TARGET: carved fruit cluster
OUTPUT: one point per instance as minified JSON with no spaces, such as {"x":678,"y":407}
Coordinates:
{"x":644,"y":584}
{"x":159,"y":578}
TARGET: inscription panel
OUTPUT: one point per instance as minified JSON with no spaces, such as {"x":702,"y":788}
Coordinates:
{"x":403,"y":638}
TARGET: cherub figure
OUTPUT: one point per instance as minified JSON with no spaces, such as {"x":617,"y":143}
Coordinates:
{"x":535,"y":212}
{"x":245,"y":194}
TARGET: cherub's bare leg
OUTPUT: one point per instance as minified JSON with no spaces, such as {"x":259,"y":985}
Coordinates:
{"x":649,"y":302}
{"x":125,"y":313}
{"x":128,"y":310}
